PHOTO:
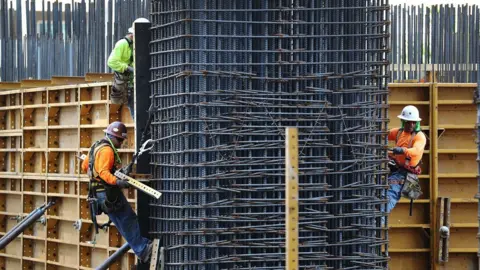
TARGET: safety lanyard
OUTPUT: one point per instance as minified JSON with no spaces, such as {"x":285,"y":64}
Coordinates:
{"x":117,"y":157}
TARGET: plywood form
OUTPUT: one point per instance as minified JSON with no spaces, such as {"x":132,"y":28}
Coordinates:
{"x":449,"y":170}
{"x":42,"y":129}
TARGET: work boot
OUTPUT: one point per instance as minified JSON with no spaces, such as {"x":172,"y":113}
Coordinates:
{"x":147,"y":254}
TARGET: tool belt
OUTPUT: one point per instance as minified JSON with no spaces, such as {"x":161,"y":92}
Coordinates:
{"x":112,"y":203}
{"x":411,"y":187}
{"x":413,"y":170}
{"x":120,"y":88}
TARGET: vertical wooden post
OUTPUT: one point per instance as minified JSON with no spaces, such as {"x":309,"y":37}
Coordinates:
{"x":291,"y":198}
{"x":433,"y":174}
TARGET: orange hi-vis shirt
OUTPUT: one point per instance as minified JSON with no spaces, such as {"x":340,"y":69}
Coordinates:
{"x":415,"y":153}
{"x":104,"y":161}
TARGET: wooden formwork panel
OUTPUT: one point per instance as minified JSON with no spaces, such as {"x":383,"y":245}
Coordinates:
{"x":35,"y":117}
{"x":413,"y":238}
{"x":32,"y":265}
{"x":457,"y":163}
{"x":34,"y":249}
{"x":11,"y":263}
{"x":401,"y":213}
{"x":42,"y":130}
{"x":94,"y":114}
{"x":461,"y":239}
{"x":14,"y":249}
{"x":449,"y":116}
{"x":461,"y":261}
{"x":464,"y":214}
{"x":410,"y":260}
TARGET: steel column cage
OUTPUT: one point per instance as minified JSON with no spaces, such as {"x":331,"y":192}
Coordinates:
{"x":227,"y":77}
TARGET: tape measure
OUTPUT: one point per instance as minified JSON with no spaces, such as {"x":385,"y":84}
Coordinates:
{"x":138,"y":185}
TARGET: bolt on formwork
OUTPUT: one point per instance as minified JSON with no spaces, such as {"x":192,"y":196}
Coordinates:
{"x":227,"y":77}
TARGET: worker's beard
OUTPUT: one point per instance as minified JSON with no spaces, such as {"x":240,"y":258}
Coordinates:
{"x":409,"y":128}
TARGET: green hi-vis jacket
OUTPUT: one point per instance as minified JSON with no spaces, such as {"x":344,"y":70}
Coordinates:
{"x":121,"y":56}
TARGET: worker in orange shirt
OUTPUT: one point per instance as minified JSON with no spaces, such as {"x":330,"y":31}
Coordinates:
{"x":410,"y":143}
{"x":100,"y":165}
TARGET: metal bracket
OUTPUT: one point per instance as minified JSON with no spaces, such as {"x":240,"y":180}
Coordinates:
{"x":17,"y":218}
{"x":42,"y":220}
{"x":444,"y":229}
{"x":154,"y":258}
{"x":77,"y":225}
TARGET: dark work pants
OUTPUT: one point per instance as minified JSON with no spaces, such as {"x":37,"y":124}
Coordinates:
{"x":126,"y":222}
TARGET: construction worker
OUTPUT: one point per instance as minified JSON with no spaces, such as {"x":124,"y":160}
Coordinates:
{"x":410,"y":143}
{"x":100,"y":164}
{"x":122,"y":63}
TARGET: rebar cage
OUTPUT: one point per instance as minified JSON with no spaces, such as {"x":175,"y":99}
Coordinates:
{"x":227,"y":77}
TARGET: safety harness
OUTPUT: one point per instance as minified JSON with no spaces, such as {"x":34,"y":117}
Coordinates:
{"x":410,"y":185}
{"x":413,"y":169}
{"x":130,"y":43}
{"x":97,"y":185}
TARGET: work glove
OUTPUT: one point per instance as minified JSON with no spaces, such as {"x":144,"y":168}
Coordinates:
{"x":130,"y":69}
{"x":398,"y":150}
{"x":122,"y":183}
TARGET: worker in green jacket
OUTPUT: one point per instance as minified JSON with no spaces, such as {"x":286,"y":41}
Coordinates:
{"x":122,"y":63}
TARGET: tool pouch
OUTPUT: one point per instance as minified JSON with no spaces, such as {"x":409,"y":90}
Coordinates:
{"x":114,"y":200}
{"x":118,"y":95}
{"x":411,"y":187}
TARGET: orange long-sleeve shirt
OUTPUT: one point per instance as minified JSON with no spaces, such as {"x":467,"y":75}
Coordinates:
{"x":104,"y":161}
{"x":415,"y":153}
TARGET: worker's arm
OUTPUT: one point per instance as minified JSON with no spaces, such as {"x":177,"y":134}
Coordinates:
{"x":392,"y":134}
{"x":115,"y":59}
{"x":418,"y":146}
{"x":104,"y":161}
{"x":85,"y":164}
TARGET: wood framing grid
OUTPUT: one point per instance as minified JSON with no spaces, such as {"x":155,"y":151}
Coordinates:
{"x":448,"y":115}
{"x":44,"y":124}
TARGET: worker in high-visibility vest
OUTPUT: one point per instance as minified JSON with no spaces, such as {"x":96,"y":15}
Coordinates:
{"x":106,"y":189}
{"x":122,"y":63}
{"x":410,"y":144}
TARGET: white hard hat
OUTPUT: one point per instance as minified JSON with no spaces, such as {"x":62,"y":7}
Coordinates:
{"x":139,"y":20}
{"x":410,"y":113}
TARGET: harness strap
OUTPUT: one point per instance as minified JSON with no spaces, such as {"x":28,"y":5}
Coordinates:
{"x":409,"y":145}
{"x":130,"y":43}
{"x":95,"y":185}
{"x":92,"y":173}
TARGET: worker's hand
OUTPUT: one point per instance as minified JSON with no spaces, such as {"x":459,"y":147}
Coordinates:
{"x":130,"y":69}
{"x":122,"y":183}
{"x":126,"y":170}
{"x":398,"y":150}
